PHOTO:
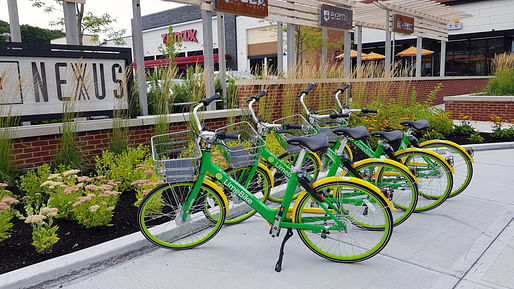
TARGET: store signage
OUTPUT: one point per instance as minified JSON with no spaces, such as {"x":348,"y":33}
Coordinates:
{"x":39,"y":85}
{"x":185,"y":35}
{"x":253,"y":8}
{"x":336,"y":17}
{"x":455,"y":26}
{"x":403,"y":24}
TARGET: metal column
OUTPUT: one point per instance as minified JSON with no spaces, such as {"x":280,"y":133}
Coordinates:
{"x":324,"y":52}
{"x":358,"y":30}
{"x":442,"y":65}
{"x":280,"y":48}
{"x":347,"y":53}
{"x":220,"y":19}
{"x":291,"y":51}
{"x":419,"y":44}
{"x":388,"y":43}
{"x":208,"y":57}
{"x":70,"y":23}
{"x":137,"y":38}
{"x":14,"y":20}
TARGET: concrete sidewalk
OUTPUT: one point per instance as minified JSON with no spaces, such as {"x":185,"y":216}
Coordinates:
{"x":468,"y":242}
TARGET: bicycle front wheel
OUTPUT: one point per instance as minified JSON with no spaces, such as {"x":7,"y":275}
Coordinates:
{"x":434,"y":176}
{"x":311,"y":165}
{"x":395,"y":183}
{"x":359,"y":229}
{"x":161,"y":216}
{"x":259,"y":186}
{"x":458,"y":159}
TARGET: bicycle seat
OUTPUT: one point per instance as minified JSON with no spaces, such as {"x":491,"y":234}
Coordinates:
{"x":419,"y":124}
{"x":390,"y":136}
{"x":357,"y":133}
{"x":314,"y":143}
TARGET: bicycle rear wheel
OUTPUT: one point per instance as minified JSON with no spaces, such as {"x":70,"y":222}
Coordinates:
{"x":434,"y":176}
{"x":460,"y":162}
{"x":259,"y":186}
{"x":366,"y":218}
{"x":161,"y":214}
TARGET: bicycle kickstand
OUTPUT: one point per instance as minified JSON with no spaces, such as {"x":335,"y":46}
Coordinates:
{"x":289,"y":234}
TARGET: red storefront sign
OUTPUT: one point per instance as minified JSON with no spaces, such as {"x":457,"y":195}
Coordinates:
{"x":252,"y":8}
{"x":185,"y":35}
{"x":403,"y":24}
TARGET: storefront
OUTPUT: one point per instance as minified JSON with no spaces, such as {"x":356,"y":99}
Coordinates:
{"x":472,"y":42}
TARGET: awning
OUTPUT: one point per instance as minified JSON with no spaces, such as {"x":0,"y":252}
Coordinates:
{"x":353,"y":54}
{"x":181,"y":61}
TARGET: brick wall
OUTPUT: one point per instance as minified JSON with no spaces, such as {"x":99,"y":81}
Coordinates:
{"x":481,"y":110}
{"x":281,"y":98}
{"x":31,"y":152}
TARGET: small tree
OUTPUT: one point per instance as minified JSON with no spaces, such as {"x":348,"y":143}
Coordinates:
{"x":87,"y":22}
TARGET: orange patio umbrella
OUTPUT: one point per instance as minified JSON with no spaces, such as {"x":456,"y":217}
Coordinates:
{"x":353,"y":54}
{"x":373,"y":56}
{"x":411,"y":51}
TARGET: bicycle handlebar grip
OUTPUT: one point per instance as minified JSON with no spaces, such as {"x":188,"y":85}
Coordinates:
{"x":306,"y":91}
{"x":257,"y":97}
{"x":287,"y":126}
{"x":208,"y":100}
{"x":224,"y":135}
{"x":342,"y":89}
{"x":339,"y":115}
{"x":365,"y":110}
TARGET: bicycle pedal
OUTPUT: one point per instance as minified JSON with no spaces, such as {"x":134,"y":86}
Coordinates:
{"x":470,"y":152}
{"x":450,"y":161}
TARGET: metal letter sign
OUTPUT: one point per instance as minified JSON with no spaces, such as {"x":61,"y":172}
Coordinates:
{"x":336,"y":17}
{"x":253,"y":8}
{"x":403,"y":24}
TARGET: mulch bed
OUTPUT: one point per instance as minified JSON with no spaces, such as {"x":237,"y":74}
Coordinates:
{"x":17,"y":251}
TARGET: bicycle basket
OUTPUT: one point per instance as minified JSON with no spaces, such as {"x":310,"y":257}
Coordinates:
{"x":327,"y":124}
{"x":176,"y":156}
{"x":243,"y":152}
{"x":307,"y":130}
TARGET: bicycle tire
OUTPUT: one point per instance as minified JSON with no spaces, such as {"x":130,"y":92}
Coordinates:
{"x":395,"y":182}
{"x":462,"y":163}
{"x":434,"y":175}
{"x":259,"y":186}
{"x":312,"y":165}
{"x":157,"y":216}
{"x":364,"y":209}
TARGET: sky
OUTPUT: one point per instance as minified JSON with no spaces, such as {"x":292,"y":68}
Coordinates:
{"x":119,"y":9}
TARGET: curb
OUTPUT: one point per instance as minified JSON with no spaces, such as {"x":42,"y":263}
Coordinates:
{"x":94,"y":258}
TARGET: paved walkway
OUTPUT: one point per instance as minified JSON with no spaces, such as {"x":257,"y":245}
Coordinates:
{"x":466,"y":243}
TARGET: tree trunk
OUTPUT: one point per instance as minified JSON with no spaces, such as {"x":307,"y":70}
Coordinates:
{"x":80,"y":16}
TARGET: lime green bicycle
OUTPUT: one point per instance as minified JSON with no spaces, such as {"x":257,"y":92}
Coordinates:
{"x":342,"y":219}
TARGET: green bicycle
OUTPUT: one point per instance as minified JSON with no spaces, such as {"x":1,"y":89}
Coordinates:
{"x":342,"y":219}
{"x":432,"y":170}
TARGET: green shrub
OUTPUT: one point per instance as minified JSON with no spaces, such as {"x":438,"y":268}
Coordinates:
{"x":503,"y":82}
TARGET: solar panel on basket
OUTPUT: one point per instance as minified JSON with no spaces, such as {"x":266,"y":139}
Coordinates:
{"x":307,"y":130}
{"x":244,"y":151}
{"x":176,"y":156}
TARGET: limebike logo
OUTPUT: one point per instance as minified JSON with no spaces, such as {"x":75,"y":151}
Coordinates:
{"x":283,"y":170}
{"x":242,"y":195}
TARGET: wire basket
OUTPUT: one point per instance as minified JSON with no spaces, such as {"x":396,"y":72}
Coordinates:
{"x":293,"y":119}
{"x":326,"y":125}
{"x":244,"y":151}
{"x":176,"y":156}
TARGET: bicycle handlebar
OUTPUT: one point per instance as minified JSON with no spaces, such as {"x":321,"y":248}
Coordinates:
{"x":224,"y":135}
{"x":287,"y":126}
{"x":306,"y":91}
{"x":365,"y":110}
{"x":208,"y":100}
{"x":342,"y":89}
{"x":257,"y":97}
{"x":339,"y":115}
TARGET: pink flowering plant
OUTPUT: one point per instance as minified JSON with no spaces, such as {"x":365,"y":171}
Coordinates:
{"x":62,"y":189}
{"x":44,"y":232}
{"x":7,"y":211}
{"x":148,"y":181}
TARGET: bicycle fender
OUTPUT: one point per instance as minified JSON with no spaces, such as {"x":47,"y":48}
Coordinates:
{"x":450,"y":143}
{"x":436,"y":155}
{"x":268,"y":172}
{"x":390,"y":162}
{"x":317,"y":158}
{"x":219,"y":190}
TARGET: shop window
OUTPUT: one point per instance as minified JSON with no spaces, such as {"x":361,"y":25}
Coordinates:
{"x":494,"y":46}
{"x":195,"y":53}
{"x":181,"y":54}
{"x":457,"y":61}
{"x":477,"y":57}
